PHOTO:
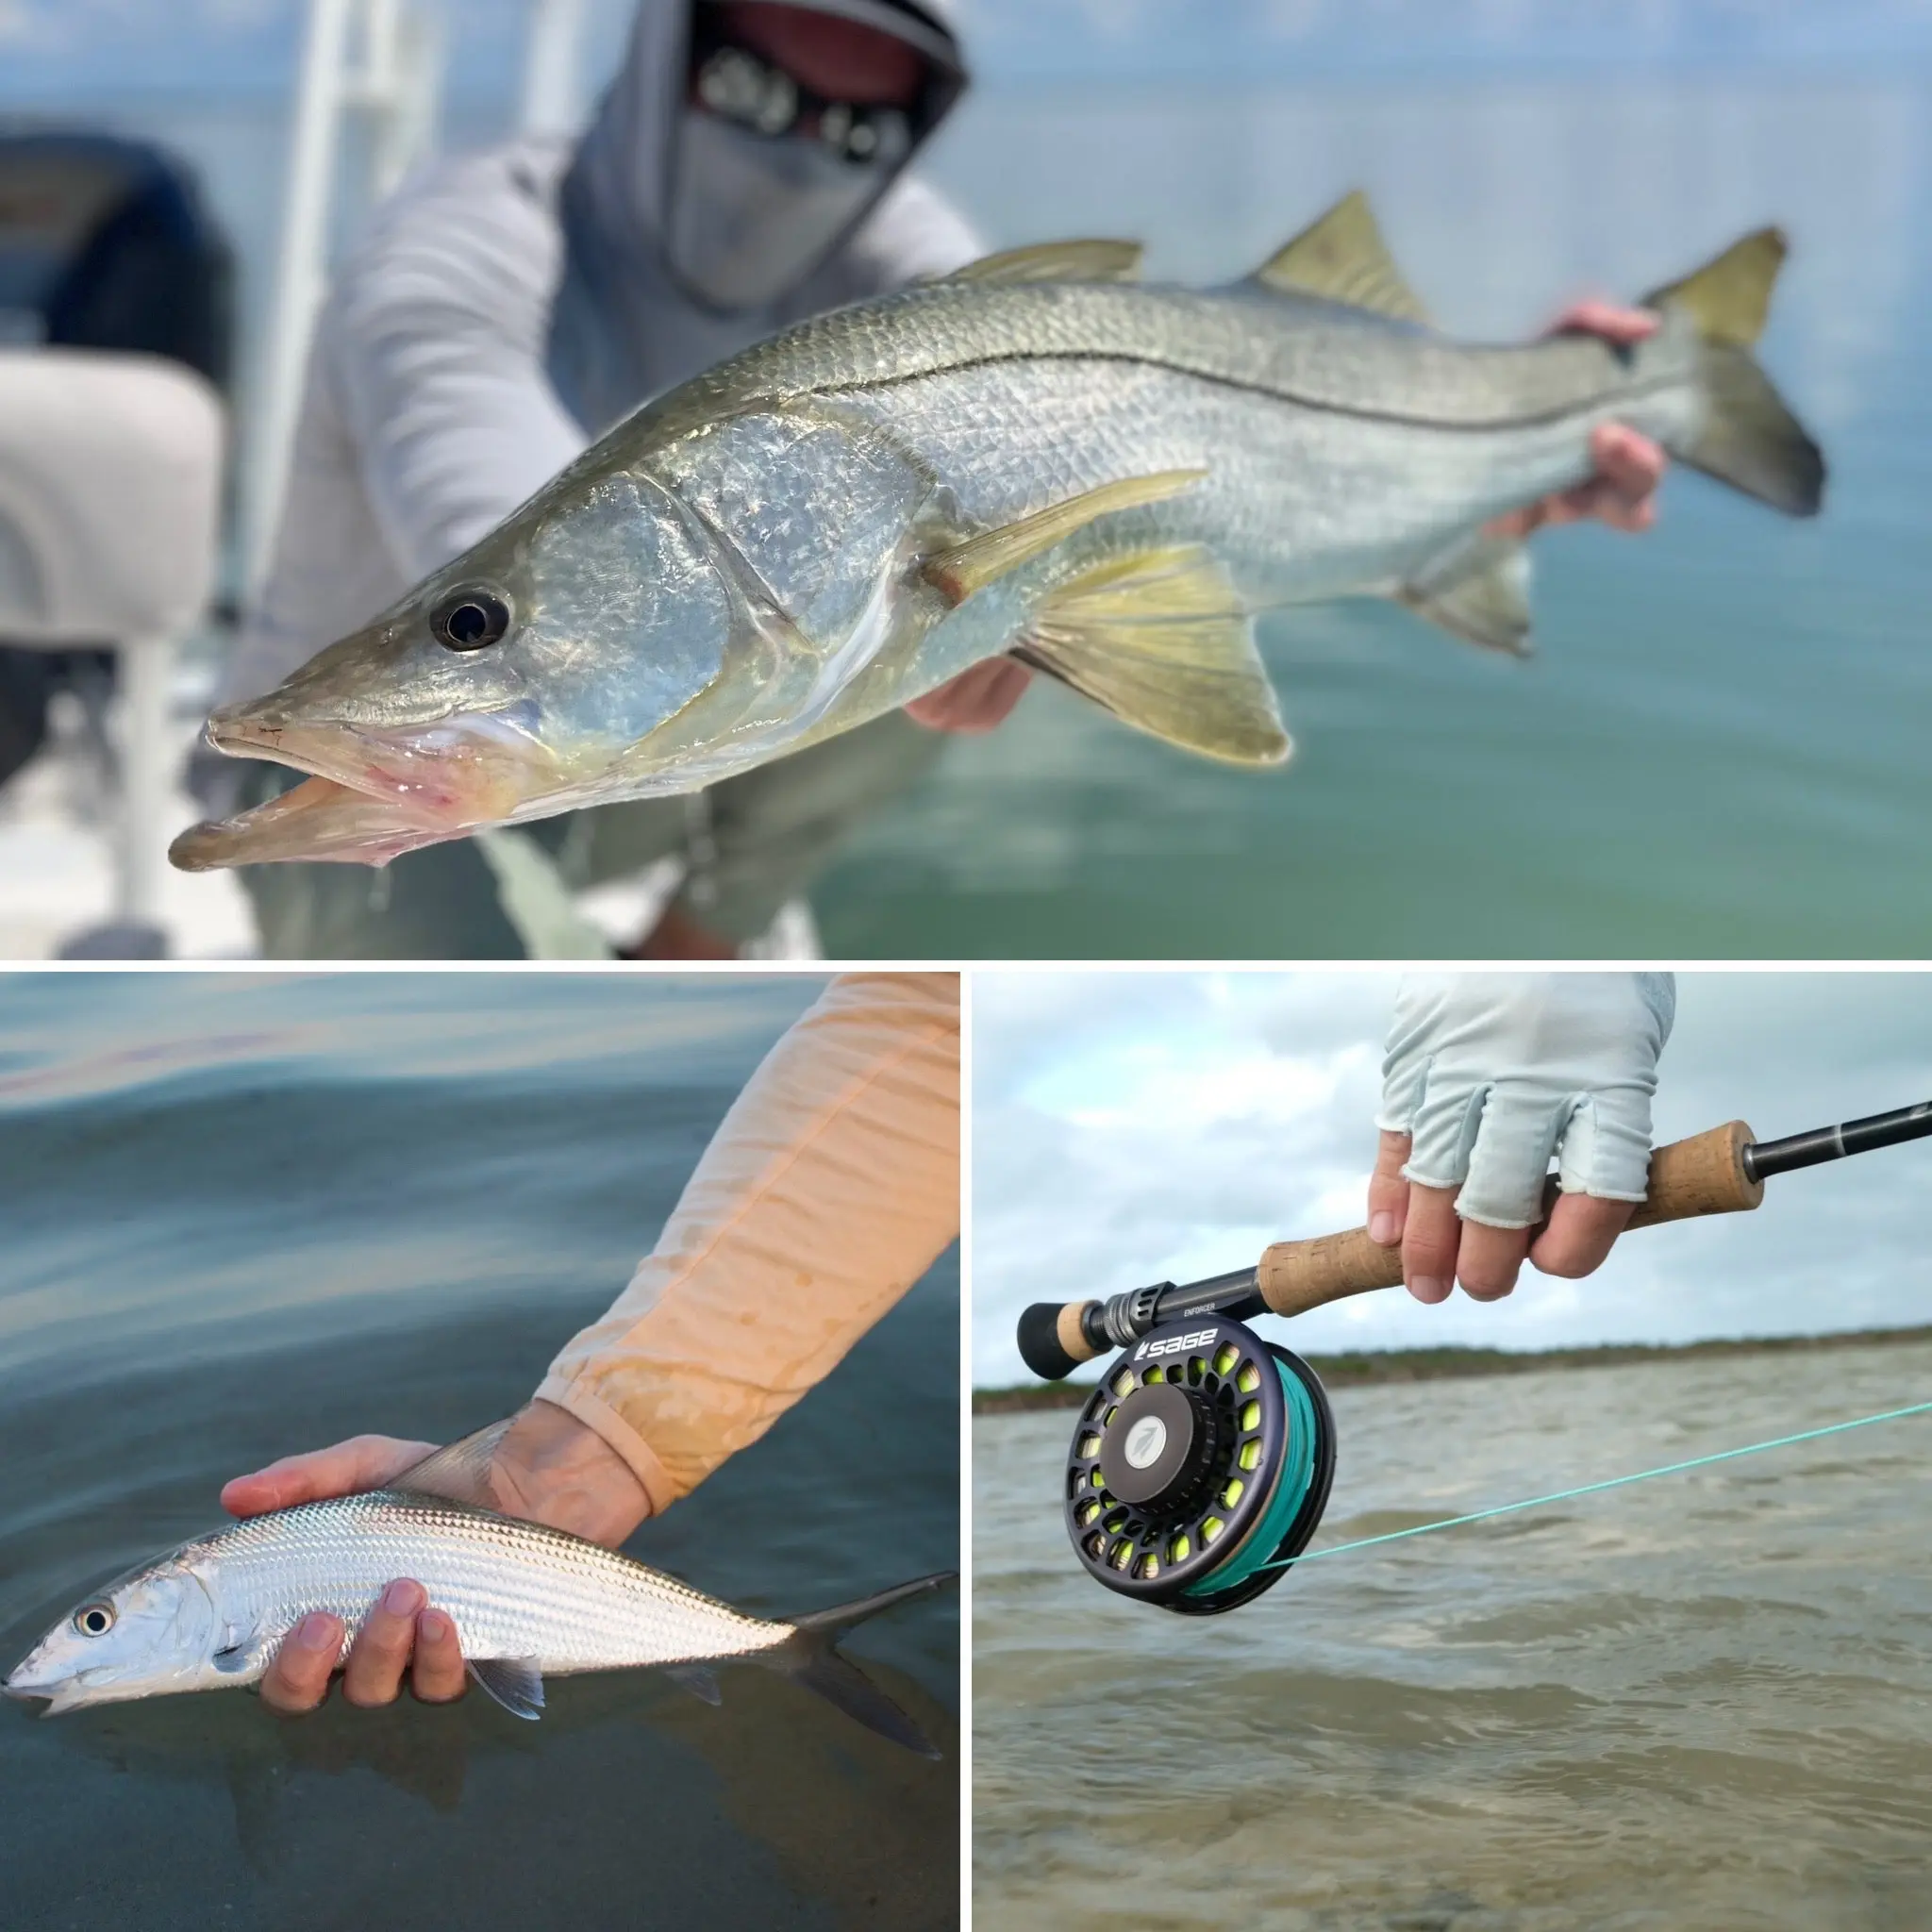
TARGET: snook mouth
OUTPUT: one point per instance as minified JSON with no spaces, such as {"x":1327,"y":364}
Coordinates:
{"x":370,"y":796}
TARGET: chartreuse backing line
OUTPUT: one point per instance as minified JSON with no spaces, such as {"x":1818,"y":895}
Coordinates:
{"x":1614,"y":1482}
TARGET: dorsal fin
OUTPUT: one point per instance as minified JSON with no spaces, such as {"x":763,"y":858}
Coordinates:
{"x":1342,"y":258}
{"x":459,"y":1472}
{"x":1056,"y":262}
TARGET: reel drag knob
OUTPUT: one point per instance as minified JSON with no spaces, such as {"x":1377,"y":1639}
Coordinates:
{"x":1202,"y":1461}
{"x":1161,"y":1447}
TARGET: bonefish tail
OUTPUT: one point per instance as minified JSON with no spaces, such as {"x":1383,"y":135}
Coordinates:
{"x":811,"y":1657}
{"x":1750,"y":438}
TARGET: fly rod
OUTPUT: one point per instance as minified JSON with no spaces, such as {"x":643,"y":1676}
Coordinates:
{"x":1202,"y":1462}
{"x":1721,"y":1172}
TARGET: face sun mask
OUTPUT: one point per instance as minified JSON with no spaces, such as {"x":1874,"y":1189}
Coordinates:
{"x":766,"y":175}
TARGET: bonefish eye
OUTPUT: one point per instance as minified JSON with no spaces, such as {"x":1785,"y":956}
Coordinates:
{"x":95,"y":1619}
{"x":472,"y":619}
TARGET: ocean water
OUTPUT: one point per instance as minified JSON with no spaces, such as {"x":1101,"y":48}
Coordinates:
{"x":1717,"y":750}
{"x":247,"y":1216}
{"x":1694,"y":1704}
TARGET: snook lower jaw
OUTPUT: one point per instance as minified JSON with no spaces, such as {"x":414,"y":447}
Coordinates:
{"x":370,"y":797}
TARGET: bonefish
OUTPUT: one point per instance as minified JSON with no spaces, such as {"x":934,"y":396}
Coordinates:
{"x":1040,"y":456}
{"x":527,"y":1600}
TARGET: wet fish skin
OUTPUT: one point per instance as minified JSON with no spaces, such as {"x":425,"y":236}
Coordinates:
{"x":527,"y":1600}
{"x":779,"y":549}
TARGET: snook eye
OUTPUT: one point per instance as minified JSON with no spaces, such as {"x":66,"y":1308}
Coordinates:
{"x":472,"y":619}
{"x":95,"y":1619}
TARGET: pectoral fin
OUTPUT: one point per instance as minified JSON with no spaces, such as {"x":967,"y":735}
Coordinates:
{"x":1056,"y":262}
{"x":1479,"y":592}
{"x":1163,"y":641}
{"x":248,"y":1652}
{"x":958,"y":572}
{"x":1342,"y":258}
{"x":515,"y":1682}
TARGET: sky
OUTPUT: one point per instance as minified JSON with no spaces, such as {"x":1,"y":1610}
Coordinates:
{"x":1134,"y":1128}
{"x":51,"y":46}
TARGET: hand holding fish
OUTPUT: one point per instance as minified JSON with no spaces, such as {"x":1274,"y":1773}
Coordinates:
{"x":1629,"y":467}
{"x":546,"y":1467}
{"x":976,"y":701}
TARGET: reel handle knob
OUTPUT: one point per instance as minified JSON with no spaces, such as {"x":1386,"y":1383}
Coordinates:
{"x":1704,"y":1175}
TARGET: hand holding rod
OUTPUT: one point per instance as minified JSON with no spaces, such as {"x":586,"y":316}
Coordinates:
{"x":1721,"y":1172}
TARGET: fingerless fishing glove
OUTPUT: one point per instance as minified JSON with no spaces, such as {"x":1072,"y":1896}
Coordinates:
{"x":1493,"y":1073}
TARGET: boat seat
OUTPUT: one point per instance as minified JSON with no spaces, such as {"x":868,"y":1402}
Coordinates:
{"x":110,"y":479}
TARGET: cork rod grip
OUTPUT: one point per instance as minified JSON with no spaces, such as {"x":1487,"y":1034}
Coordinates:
{"x":1072,"y":1335}
{"x":1703,"y":1176}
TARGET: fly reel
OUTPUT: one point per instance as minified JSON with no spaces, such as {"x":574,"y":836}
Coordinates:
{"x":1199,"y":1467}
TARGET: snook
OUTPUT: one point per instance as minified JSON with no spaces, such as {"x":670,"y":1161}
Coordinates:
{"x":527,"y":1602}
{"x":1038,"y":455}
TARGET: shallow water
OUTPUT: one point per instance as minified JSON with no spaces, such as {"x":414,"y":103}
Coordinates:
{"x":246,"y":1217}
{"x":1697,"y":1703}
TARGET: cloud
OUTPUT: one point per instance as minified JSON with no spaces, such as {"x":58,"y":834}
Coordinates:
{"x":1131,"y":1127}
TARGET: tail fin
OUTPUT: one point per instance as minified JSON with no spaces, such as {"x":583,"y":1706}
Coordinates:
{"x":810,"y":1654}
{"x":1750,"y":439}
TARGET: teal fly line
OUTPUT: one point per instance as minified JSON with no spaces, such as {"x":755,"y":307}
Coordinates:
{"x":1611,"y":1483}
{"x":1297,"y":1473}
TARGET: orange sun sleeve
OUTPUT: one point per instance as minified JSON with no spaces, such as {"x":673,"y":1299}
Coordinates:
{"x":830,"y":1187}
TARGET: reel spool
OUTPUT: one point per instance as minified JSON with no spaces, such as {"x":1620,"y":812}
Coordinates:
{"x":1200,"y":1465}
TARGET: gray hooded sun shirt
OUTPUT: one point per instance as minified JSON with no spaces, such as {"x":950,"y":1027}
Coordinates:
{"x":510,"y":306}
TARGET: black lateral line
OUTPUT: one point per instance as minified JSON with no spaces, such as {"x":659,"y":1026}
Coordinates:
{"x":1487,"y":424}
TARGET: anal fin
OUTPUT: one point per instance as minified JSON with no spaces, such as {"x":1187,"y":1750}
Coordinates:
{"x":1161,"y":640}
{"x":1479,"y":592}
{"x":515,"y":1682}
{"x":701,"y":1682}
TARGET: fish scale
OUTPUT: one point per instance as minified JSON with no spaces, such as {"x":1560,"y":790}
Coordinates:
{"x":512,"y":1589}
{"x":1291,"y":348}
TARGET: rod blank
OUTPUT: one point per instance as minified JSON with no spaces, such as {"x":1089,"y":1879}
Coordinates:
{"x":1821,"y":1144}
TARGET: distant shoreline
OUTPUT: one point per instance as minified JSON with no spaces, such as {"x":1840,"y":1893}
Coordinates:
{"x":1359,"y":1370}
